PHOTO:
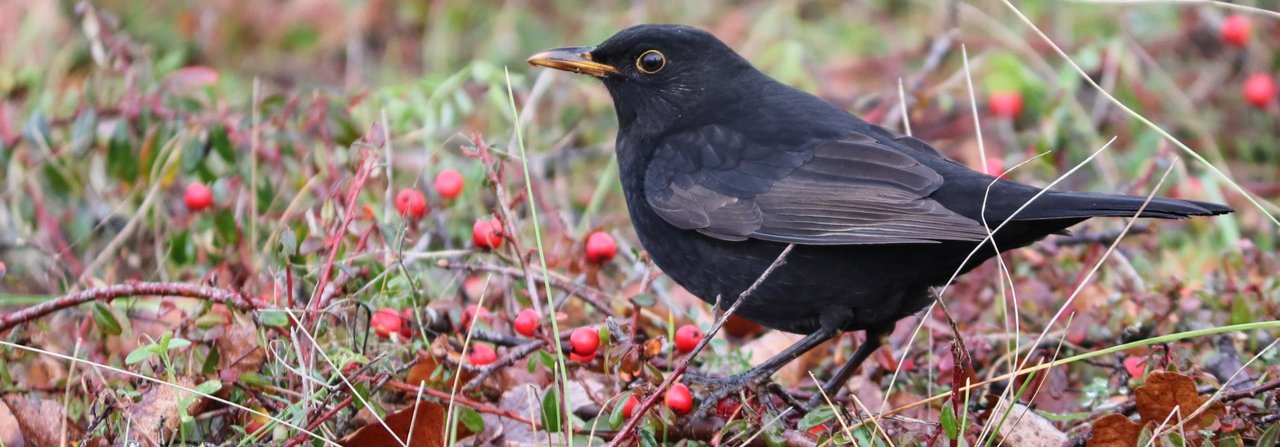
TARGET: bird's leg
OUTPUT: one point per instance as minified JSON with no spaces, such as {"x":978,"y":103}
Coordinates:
{"x":875,"y":338}
{"x":723,"y":387}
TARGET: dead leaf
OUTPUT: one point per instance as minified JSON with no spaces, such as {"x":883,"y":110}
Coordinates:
{"x":428,"y":370}
{"x":427,"y":426}
{"x":156,"y":418}
{"x":1114,"y":430}
{"x":773,"y":342}
{"x":522,"y":400}
{"x":42,"y":421}
{"x":10,"y":434}
{"x":1165,"y":391}
{"x":1024,"y":428}
{"x":238,"y":349}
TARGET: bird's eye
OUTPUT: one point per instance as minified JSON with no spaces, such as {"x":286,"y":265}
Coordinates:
{"x":651,"y":61}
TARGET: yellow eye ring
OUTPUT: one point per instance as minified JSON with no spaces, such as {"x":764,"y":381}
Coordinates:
{"x":651,"y":62}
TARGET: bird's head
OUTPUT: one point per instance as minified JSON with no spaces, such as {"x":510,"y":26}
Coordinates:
{"x":658,"y":75}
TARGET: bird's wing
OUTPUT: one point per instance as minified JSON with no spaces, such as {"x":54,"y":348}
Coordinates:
{"x":846,"y":191}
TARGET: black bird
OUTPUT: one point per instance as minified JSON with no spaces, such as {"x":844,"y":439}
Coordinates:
{"x":724,"y":167}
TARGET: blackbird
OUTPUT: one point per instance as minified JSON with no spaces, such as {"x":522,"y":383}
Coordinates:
{"x":723,"y":168}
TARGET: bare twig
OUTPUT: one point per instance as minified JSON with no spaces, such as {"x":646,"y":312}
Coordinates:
{"x":594,"y":297}
{"x":222,"y":296}
{"x":638,"y":413}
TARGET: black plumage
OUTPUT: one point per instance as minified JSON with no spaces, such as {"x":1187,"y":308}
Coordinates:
{"x":723,"y":167}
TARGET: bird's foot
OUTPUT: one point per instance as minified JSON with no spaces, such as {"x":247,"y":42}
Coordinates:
{"x":720,"y":387}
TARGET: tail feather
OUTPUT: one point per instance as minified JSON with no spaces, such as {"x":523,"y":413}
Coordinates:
{"x":1068,"y":205}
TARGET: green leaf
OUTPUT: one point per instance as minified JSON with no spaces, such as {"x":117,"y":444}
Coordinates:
{"x":265,"y":195}
{"x":471,"y":419}
{"x":83,"y":132}
{"x":181,"y":249}
{"x":210,"y":320}
{"x":225,"y":222}
{"x":105,"y":320}
{"x":816,"y":417}
{"x":949,"y":424}
{"x":1271,"y":437}
{"x":646,"y":436}
{"x":208,"y":387}
{"x":122,"y":162}
{"x":178,"y":343}
{"x":288,"y":242}
{"x":57,"y":181}
{"x":551,"y":410}
{"x":193,"y":153}
{"x":644,"y":300}
{"x":37,"y":130}
{"x":221,"y":143}
{"x":1240,"y":311}
{"x":140,"y":354}
{"x":615,"y":416}
{"x":253,"y":379}
{"x":273,"y":318}
{"x":210,"y":364}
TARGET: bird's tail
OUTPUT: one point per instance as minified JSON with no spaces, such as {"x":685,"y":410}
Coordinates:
{"x":1068,"y":205}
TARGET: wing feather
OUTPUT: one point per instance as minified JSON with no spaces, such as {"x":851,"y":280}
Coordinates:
{"x":846,"y":191}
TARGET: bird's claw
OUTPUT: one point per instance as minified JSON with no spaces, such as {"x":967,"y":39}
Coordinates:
{"x":719,"y":388}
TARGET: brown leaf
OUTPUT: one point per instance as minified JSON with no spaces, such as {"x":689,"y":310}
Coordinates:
{"x":428,"y":428}
{"x":427,"y":370}
{"x":1114,"y":430}
{"x":773,"y":342}
{"x":1025,"y":428}
{"x":41,"y":421}
{"x":10,"y":434}
{"x":156,"y":417}
{"x":1165,"y":391}
{"x":238,"y":349}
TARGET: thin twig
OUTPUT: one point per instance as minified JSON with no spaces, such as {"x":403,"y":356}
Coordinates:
{"x":594,"y":297}
{"x":222,"y":296}
{"x":638,"y":413}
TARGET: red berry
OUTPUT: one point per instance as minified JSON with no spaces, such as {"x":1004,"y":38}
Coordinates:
{"x":526,"y":322}
{"x":818,"y":429}
{"x":1235,"y":30}
{"x":1005,"y":104}
{"x":1259,"y":89}
{"x":678,"y":398}
{"x":1135,"y":365}
{"x":994,"y":167}
{"x":406,"y":323}
{"x":574,"y":357}
{"x":687,"y":338}
{"x":386,"y":321}
{"x":473,"y":313}
{"x":482,"y":355}
{"x":584,"y":341}
{"x":601,"y":247}
{"x":487,"y":233}
{"x":449,"y":184}
{"x":629,"y":407}
{"x":411,"y":203}
{"x":729,"y":408}
{"x":474,"y":286}
{"x":198,"y":196}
